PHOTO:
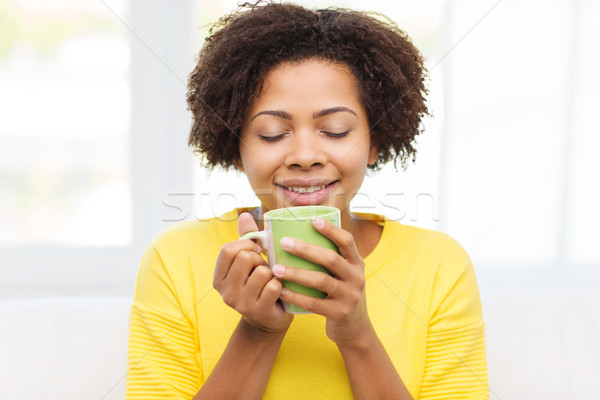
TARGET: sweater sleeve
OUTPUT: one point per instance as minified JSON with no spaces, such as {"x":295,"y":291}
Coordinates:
{"x":163,"y":356}
{"x":455,"y":366}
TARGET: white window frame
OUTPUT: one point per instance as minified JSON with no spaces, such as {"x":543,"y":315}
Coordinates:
{"x":159,"y":34}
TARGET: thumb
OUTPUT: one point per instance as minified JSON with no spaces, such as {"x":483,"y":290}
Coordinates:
{"x":246,"y":224}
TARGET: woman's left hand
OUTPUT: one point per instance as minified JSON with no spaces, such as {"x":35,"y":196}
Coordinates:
{"x":345,"y":306}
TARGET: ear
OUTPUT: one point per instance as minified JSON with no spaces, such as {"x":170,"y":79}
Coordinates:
{"x":238,"y":164}
{"x":373,"y":154}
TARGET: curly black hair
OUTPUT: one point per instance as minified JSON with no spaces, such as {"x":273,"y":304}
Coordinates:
{"x":242,"y":47}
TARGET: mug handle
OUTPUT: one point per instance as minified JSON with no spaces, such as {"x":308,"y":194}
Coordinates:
{"x":260,"y":236}
{"x":263,"y":239}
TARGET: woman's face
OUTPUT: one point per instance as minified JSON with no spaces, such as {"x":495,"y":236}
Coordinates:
{"x":306,"y":137}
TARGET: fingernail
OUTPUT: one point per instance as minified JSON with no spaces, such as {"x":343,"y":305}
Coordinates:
{"x":318,"y":222}
{"x":278,"y":270}
{"x":283,"y":290}
{"x":287,"y":243}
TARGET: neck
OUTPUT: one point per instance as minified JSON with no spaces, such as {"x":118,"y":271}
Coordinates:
{"x":351,"y":223}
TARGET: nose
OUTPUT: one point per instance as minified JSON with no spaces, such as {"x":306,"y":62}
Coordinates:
{"x":305,"y":153}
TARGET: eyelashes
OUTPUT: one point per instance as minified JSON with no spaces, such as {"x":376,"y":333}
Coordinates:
{"x":271,"y":138}
{"x":282,"y":135}
{"x":337,"y":135}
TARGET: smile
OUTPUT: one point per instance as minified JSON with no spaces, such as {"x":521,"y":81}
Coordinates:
{"x":302,"y":193}
{"x":300,"y":189}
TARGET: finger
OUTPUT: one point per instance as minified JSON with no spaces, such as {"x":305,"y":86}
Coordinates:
{"x":271,"y":292}
{"x":246,"y":224}
{"x":227,"y":255}
{"x":315,"y":279}
{"x":308,"y":303}
{"x":242,"y":267}
{"x":341,"y":237}
{"x":256,"y":282}
{"x":328,"y":258}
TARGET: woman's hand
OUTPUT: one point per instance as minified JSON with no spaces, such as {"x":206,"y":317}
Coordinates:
{"x":247,"y":284}
{"x":345,"y":306}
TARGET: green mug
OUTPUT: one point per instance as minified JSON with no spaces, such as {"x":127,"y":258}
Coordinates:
{"x":295,"y":222}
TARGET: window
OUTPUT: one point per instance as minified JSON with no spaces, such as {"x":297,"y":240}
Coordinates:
{"x":519,"y":178}
{"x":64,"y":144}
{"x":93,"y":138}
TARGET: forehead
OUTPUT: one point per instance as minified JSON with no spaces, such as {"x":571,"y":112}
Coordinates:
{"x":312,"y":81}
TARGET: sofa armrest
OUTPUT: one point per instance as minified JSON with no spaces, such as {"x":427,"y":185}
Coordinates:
{"x":543,"y":344}
{"x":63,"y":348}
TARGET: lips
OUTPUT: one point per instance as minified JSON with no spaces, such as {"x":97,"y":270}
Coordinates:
{"x":306,"y":192}
{"x":302,"y":189}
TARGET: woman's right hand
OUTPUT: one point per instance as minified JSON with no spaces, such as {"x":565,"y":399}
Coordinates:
{"x":247,"y":284}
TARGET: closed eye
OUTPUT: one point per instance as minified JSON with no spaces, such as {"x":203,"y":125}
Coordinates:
{"x":271,"y":138}
{"x":336,"y":135}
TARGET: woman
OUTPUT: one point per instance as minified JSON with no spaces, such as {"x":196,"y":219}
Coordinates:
{"x":304,"y":102}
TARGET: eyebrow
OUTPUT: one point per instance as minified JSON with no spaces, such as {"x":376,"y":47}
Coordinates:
{"x":276,"y":113}
{"x":318,"y":114}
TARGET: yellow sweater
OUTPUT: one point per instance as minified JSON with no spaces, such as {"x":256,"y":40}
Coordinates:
{"x":422,"y":298}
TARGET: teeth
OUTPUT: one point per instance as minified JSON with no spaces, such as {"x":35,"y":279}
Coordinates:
{"x":299,"y":189}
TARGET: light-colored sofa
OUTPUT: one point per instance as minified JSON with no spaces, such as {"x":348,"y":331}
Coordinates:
{"x":541,"y":345}
{"x":63,"y":348}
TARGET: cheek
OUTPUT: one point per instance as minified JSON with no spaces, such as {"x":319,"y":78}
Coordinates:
{"x":354,"y":155}
{"x":246,"y":153}
{"x":258,"y":167}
